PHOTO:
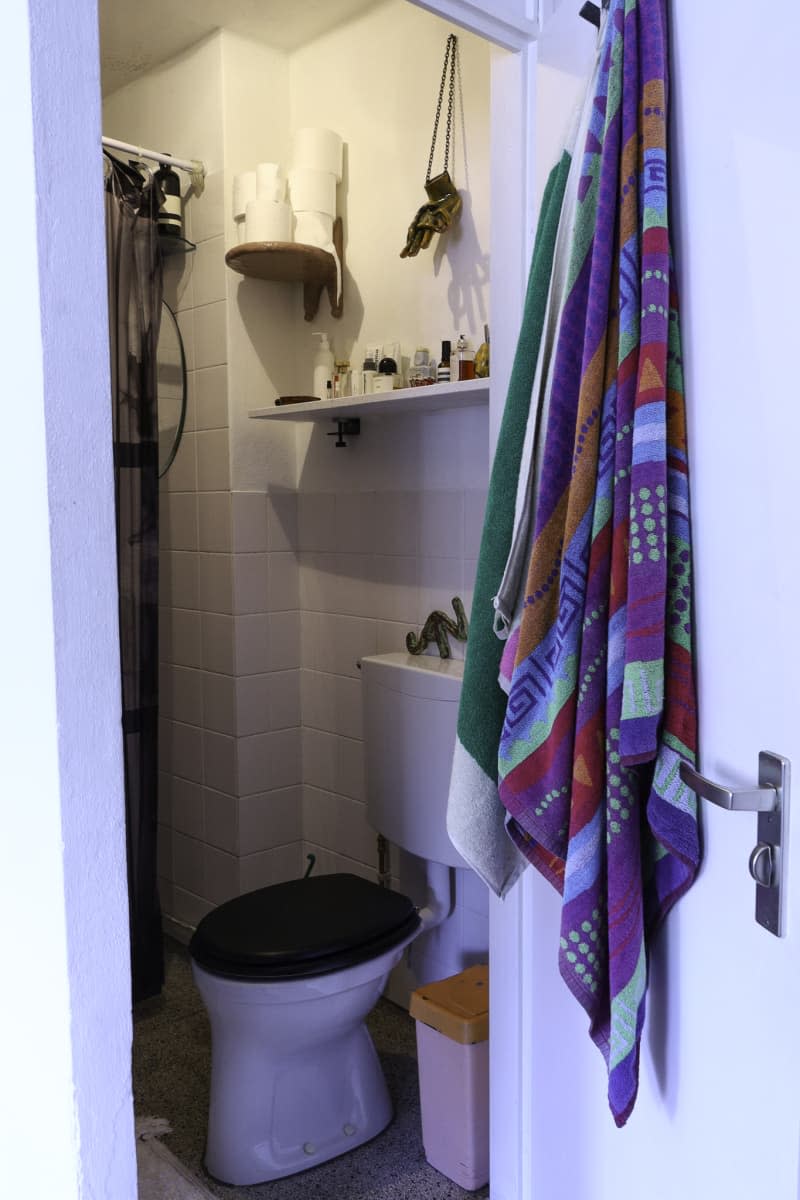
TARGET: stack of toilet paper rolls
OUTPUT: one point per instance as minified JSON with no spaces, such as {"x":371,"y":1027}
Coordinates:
{"x":316,"y":170}
{"x":259,"y":204}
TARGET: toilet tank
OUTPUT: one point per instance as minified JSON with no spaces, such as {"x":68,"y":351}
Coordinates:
{"x":410,"y":711}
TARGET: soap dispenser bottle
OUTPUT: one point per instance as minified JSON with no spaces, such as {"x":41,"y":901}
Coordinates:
{"x":323,"y":368}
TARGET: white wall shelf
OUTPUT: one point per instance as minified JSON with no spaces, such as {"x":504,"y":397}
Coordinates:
{"x":468,"y":394}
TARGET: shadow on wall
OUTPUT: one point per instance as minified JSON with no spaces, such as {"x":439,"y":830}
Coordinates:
{"x":469,"y":270}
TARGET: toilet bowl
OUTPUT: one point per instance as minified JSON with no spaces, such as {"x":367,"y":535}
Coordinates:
{"x":288,"y":973}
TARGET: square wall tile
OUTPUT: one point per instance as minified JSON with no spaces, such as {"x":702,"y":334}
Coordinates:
{"x":349,"y":707}
{"x":178,"y":521}
{"x":218,"y":643}
{"x":211,"y":334}
{"x":219,"y":703}
{"x":316,"y":521}
{"x":187,"y":808}
{"x":214,"y":522}
{"x":187,"y":863}
{"x":186,"y":753}
{"x":283,"y":582}
{"x":268,"y":761}
{"x":350,"y":769}
{"x":184,"y":638}
{"x":356,"y":529}
{"x":440,"y":579}
{"x":252,"y":644}
{"x":211,"y":398}
{"x":208,"y":211}
{"x":188,"y":908}
{"x":396,"y":516}
{"x":178,"y":269}
{"x":284,"y":640}
{"x":249,"y":522}
{"x":336,"y":644}
{"x":318,"y":692}
{"x":269,"y":819}
{"x":339,"y":824}
{"x":253,"y":704}
{"x":356,"y":593}
{"x":178,"y":578}
{"x":251,"y":583}
{"x":282,"y":521}
{"x":270,"y":866}
{"x":284,"y":700}
{"x":441,"y":524}
{"x":396,"y":588}
{"x":219,"y":763}
{"x":185,"y":695}
{"x":320,"y":759}
{"x":209,"y":271}
{"x":318,"y":581}
{"x":215,"y":583}
{"x":391,"y":636}
{"x":213,"y":464}
{"x":182,"y":474}
{"x":185,"y":319}
{"x":221,"y":820}
{"x":220,"y":875}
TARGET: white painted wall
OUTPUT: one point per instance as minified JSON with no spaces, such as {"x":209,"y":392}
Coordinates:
{"x":376,"y":81}
{"x":65,"y":1110}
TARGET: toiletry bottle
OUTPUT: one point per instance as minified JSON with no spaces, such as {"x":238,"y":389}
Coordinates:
{"x":443,"y":373}
{"x":369,"y":370}
{"x":482,"y":356}
{"x":341,"y":380}
{"x":323,"y":368}
{"x":170,"y":221}
{"x":466,"y":359}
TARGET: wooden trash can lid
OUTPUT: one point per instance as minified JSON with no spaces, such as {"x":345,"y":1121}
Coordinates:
{"x":457,"y":1007}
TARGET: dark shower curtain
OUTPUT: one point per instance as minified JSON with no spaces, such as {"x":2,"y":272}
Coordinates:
{"x":134,"y":306}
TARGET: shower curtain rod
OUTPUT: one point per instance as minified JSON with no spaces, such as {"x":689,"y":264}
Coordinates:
{"x":194,"y":166}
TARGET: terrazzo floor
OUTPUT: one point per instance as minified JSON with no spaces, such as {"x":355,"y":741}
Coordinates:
{"x":171,"y":1061}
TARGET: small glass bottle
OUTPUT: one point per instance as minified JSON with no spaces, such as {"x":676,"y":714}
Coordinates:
{"x":443,"y":372}
{"x":466,"y":359}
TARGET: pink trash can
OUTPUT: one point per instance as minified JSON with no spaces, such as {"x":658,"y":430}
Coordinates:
{"x":453,"y":1051}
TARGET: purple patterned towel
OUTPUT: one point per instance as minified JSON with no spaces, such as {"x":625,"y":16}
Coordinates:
{"x":602,"y":706}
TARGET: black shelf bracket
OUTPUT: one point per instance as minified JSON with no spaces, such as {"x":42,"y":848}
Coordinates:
{"x":345,"y":427}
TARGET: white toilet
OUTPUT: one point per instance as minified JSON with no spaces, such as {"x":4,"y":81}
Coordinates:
{"x":289,"y":973}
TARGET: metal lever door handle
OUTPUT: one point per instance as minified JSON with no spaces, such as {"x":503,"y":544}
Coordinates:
{"x":771,"y":801}
{"x":760,"y":799}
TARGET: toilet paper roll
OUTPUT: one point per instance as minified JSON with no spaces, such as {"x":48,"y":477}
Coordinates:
{"x":270,"y":182}
{"x":268,"y":221}
{"x":313,"y":228}
{"x":319,"y":149}
{"x":244,"y":190}
{"x":312,"y":191}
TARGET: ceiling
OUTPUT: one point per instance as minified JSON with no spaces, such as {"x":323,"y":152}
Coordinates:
{"x":134,"y":37}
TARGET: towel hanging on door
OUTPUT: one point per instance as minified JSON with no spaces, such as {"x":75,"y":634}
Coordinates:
{"x":602,"y":703}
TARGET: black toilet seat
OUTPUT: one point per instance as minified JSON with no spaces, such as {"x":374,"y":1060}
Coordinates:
{"x":302,"y":928}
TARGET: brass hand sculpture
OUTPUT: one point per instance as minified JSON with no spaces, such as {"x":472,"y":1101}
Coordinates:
{"x":435,"y":217}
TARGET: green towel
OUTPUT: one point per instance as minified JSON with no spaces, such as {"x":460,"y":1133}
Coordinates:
{"x":475,"y":817}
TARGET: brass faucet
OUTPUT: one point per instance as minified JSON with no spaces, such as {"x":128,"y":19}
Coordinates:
{"x":437,"y":627}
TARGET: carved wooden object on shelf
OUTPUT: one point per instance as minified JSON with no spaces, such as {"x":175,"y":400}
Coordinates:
{"x":292,"y":262}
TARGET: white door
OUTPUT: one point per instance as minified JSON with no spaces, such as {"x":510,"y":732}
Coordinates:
{"x":719,"y":1100}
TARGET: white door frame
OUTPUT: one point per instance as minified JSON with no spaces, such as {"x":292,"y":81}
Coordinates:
{"x":513,"y":216}
{"x":65,"y":1017}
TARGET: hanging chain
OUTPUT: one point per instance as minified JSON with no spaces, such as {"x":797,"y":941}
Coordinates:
{"x":450,"y":52}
